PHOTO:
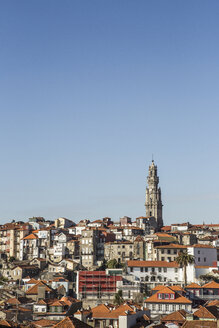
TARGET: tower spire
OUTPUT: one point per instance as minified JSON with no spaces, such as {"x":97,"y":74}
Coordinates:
{"x":153,"y":202}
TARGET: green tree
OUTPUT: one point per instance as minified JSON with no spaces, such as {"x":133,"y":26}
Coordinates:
{"x":112,"y":264}
{"x":184,"y":259}
{"x":118,"y":299}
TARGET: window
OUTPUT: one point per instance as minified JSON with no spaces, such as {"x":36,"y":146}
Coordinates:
{"x":153,"y":307}
{"x":162,"y":251}
{"x":160,"y":296}
{"x":131,"y":269}
{"x":172,"y":296}
{"x":167,"y":296}
{"x":175,"y":251}
{"x":159,"y":307}
{"x":123,"y":246}
{"x":146,"y":269}
{"x":167,"y":307}
{"x":152,"y":269}
{"x":174,"y":307}
{"x":162,"y":258}
{"x":198,"y":252}
{"x":159,"y":269}
{"x":204,"y":259}
{"x":198,"y":259}
{"x":118,"y":246}
{"x":164,"y":269}
{"x":176,"y":270}
{"x":168,"y":251}
{"x":119,"y":253}
{"x":141,"y":269}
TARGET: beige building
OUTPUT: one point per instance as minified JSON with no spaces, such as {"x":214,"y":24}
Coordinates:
{"x":91,"y":247}
{"x":63,"y":223}
{"x":139,"y":248}
{"x":73,"y":248}
{"x":169,"y":252}
{"x":119,"y":250}
{"x":11,"y":235}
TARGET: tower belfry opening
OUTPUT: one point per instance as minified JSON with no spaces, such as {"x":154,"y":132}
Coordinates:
{"x":153,"y":202}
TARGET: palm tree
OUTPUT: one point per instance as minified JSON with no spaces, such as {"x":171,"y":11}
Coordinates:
{"x":183,"y":259}
{"x":118,"y":299}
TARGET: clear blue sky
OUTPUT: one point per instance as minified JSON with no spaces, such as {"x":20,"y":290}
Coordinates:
{"x":90,"y":89}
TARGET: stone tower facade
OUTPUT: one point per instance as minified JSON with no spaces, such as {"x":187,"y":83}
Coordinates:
{"x":153,"y":201}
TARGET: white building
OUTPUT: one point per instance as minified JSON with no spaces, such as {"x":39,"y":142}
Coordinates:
{"x":205,"y":255}
{"x":156,"y":272}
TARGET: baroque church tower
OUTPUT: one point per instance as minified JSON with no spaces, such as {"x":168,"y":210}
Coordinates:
{"x":153,"y":201}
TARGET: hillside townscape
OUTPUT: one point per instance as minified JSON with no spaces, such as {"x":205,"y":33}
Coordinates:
{"x":102,"y":273}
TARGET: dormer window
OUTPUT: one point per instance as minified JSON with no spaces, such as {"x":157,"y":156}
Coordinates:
{"x":160,"y":296}
{"x":172,"y":296}
{"x":167,"y":296}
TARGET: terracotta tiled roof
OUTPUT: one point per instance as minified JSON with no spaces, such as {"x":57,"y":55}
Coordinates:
{"x":166,"y":290}
{"x":193,"y":285}
{"x":158,"y":287}
{"x":172,"y":246}
{"x":5,"y":323}
{"x":179,"y":299}
{"x":139,"y":238}
{"x":32,"y":281}
{"x":204,"y":313}
{"x":203,"y":266}
{"x":99,"y":310}
{"x":199,"y":324}
{"x":41,"y":302}
{"x":211,"y":284}
{"x":179,"y":316}
{"x":160,"y":264}
{"x":69,"y":300}
{"x":103,"y":311}
{"x":60,"y":279}
{"x":56,"y":303}
{"x":213,"y":303}
{"x":174,"y":288}
{"x":31,"y":236}
{"x":34,"y":289}
{"x":44,"y":323}
{"x":177,"y":288}
{"x":201,"y":246}
{"x":166,"y":228}
{"x":13,"y":301}
{"x":163,"y":234}
{"x":71,"y":323}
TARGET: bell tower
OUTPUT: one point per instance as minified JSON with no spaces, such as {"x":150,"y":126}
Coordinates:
{"x":153,"y":201}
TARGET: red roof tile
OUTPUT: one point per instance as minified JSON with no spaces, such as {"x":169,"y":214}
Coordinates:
{"x":160,"y":264}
